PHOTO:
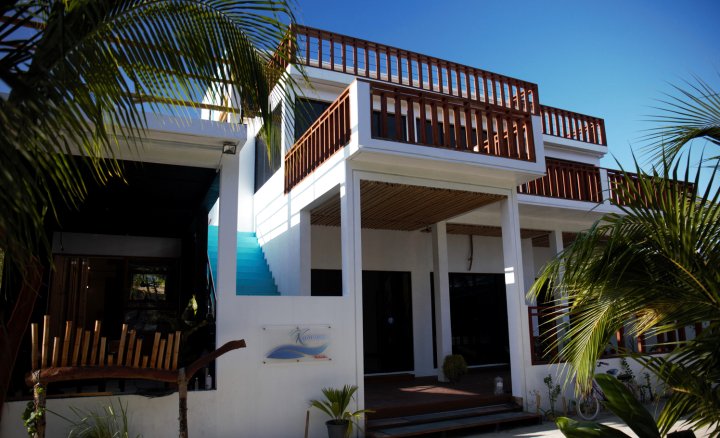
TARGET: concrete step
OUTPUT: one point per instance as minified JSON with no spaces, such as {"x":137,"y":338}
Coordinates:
{"x":436,"y":424}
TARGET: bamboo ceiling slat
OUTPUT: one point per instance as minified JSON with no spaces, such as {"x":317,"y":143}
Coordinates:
{"x":404,"y":207}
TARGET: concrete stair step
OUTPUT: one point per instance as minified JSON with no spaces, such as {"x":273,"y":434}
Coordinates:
{"x":491,"y":421}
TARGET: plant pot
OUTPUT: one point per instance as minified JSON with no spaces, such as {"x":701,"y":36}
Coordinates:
{"x":337,"y":428}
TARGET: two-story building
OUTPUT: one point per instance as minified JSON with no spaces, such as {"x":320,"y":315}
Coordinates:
{"x":413,"y":204}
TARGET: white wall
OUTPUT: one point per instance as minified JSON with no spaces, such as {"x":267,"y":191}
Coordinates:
{"x":253,"y":399}
{"x":385,"y":250}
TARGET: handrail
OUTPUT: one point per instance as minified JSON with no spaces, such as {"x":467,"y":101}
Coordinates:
{"x":342,"y":53}
{"x":424,"y":118}
{"x":212,"y":297}
{"x":329,"y":133}
{"x":566,"y":180}
{"x":567,"y":124}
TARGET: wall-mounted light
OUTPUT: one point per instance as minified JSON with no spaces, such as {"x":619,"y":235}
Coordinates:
{"x":229,"y":148}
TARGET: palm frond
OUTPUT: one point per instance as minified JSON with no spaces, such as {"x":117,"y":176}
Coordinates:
{"x":75,"y":79}
{"x":691,"y":112}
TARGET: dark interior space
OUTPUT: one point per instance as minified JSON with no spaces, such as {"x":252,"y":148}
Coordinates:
{"x":148,"y":293}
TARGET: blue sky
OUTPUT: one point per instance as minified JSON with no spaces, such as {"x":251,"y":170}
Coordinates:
{"x":612,"y":59}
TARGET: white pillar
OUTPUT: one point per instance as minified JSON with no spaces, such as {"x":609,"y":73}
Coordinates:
{"x":556,"y":242}
{"x":351,"y":250}
{"x":227,"y":226}
{"x":605,"y":194}
{"x":305,"y":252}
{"x":441,"y":291}
{"x":518,"y":334}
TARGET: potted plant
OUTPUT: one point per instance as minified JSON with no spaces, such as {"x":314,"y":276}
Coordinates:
{"x":335,"y":405}
{"x":454,"y":367}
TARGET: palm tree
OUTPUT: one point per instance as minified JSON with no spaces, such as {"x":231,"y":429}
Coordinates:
{"x":651,"y":269}
{"x":80,"y":77}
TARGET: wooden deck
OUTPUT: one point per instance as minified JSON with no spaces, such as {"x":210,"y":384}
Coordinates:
{"x":398,"y":395}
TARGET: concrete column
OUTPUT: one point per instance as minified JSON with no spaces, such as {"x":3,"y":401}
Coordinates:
{"x":605,"y":186}
{"x":351,"y":250}
{"x":515,"y":293}
{"x":305,"y":252}
{"x":227,"y":226}
{"x":441,"y":291}
{"x":556,"y":242}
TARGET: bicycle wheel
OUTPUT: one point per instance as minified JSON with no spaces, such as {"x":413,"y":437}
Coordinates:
{"x":588,"y":407}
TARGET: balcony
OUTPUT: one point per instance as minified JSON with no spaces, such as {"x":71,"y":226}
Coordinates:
{"x":567,"y":180}
{"x":380,"y":62}
{"x":386,"y":112}
{"x":574,"y":126}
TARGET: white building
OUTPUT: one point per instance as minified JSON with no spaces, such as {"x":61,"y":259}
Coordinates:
{"x":394,"y":243}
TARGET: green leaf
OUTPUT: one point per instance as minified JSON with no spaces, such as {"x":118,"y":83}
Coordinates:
{"x":577,"y":429}
{"x":623,"y":404}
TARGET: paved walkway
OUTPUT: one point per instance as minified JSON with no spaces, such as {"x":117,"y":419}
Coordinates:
{"x":548,"y":429}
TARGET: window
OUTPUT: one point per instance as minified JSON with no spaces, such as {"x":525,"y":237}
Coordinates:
{"x":266,"y":167}
{"x":307,"y":111}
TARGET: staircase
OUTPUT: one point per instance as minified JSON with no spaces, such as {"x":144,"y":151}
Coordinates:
{"x":487,"y":418}
{"x":253,"y":273}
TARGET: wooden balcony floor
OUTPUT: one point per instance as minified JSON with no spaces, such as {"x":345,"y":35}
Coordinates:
{"x":391,"y":396}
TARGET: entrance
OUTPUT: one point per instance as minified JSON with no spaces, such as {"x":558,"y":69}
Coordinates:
{"x":387,"y":322}
{"x":478,"y":311}
{"x":387,"y":316}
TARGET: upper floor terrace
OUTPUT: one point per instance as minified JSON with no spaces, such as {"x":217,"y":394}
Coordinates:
{"x":379,"y":62}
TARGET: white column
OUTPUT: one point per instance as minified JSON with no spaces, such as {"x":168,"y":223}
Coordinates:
{"x":227,"y":224}
{"x":556,"y":242}
{"x":605,"y":186}
{"x":441,"y":291}
{"x":515,"y":292}
{"x":351,"y":250}
{"x":305,"y":252}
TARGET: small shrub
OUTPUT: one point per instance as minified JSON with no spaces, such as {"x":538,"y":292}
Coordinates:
{"x":454,"y":367}
{"x":553,"y":392}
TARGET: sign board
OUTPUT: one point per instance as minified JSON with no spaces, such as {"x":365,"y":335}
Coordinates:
{"x":297,"y":343}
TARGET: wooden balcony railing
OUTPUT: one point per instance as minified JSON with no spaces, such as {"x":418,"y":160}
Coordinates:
{"x":547,"y":322}
{"x":567,"y":124}
{"x":567,"y":180}
{"x":332,"y":51}
{"x":617,"y":178}
{"x":542,"y":321}
{"x":406,"y":115}
{"x":329,"y":133}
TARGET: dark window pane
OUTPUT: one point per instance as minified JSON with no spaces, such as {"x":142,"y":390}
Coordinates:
{"x":390,"y":123}
{"x":307,"y":111}
{"x":266,"y":167}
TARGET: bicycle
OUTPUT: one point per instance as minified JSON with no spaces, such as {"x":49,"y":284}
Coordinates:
{"x":588,"y":406}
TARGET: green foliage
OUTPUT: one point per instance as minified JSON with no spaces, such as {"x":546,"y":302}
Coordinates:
{"x":108,"y":423}
{"x":30,"y":417}
{"x":336,"y":405}
{"x":553,"y":392}
{"x":454,"y":367}
{"x":82,"y":76}
{"x":691,"y":113}
{"x":623,"y":404}
{"x":651,"y":269}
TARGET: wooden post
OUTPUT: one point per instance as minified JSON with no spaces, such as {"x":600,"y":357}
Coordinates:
{"x":182,"y":396}
{"x":39,"y":401}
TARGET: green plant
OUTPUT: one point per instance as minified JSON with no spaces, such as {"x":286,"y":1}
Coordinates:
{"x":623,"y":404}
{"x":108,"y":423}
{"x":454,"y":367}
{"x":30,"y":417}
{"x":650,"y":270}
{"x":553,"y":393}
{"x":83,"y":76}
{"x":336,"y":403}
